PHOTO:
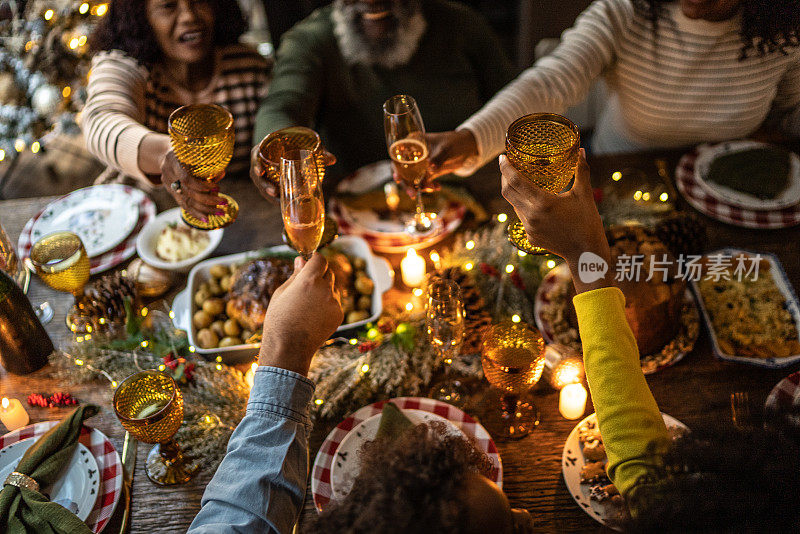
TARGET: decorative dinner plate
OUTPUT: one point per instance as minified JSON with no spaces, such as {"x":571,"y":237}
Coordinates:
{"x":108,"y":465}
{"x":723,"y":211}
{"x":706,"y":154}
{"x":321,"y":473}
{"x":550,"y":314}
{"x":77,"y":487}
{"x":347,"y":463}
{"x":111,"y":258}
{"x":102,"y":216}
{"x":572,"y":461}
{"x":785,"y":397}
{"x":387,"y":234}
{"x":791,"y":303}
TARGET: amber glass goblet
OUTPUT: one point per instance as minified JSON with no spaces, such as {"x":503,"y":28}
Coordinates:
{"x":149,"y":406}
{"x":202,"y":139}
{"x":513,"y":361}
{"x":543,"y":147}
{"x":61,"y":262}
{"x":281,"y":143}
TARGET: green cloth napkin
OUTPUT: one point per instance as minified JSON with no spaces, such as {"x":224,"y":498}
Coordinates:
{"x":23,"y":510}
{"x":393,"y":422}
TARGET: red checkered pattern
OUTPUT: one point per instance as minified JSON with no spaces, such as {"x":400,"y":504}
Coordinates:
{"x":321,"y":473}
{"x":390,"y":242}
{"x":107,"y":260}
{"x":786,"y":394}
{"x":718,"y":209}
{"x":108,"y":463}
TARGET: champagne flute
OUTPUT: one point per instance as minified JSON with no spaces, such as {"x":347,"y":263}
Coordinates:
{"x":405,"y":139}
{"x":543,"y":147}
{"x":202,"y":139}
{"x":444,"y":325}
{"x":513,"y":361}
{"x":302,"y":205}
{"x":149,"y":406}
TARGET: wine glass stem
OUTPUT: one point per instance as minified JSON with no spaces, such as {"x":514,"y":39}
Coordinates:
{"x":508,"y":402}
{"x":169,"y":450}
{"x":419,"y":217}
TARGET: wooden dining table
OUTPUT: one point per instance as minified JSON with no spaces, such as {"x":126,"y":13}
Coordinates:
{"x":697,"y":390}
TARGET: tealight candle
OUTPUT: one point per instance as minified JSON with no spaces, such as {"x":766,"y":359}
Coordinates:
{"x":572,"y":401}
{"x":412,"y":268}
{"x":12,"y":414}
{"x":250,"y":375}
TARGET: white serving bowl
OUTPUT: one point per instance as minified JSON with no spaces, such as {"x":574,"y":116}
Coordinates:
{"x":183,"y":307}
{"x":146,"y":243}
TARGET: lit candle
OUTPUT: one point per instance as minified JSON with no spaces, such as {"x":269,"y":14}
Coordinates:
{"x":412,"y":268}
{"x":250,"y":375}
{"x":12,"y":414}
{"x":572,"y":401}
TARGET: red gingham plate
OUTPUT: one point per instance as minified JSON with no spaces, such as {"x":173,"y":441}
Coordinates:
{"x":107,"y":461}
{"x":696,"y":195}
{"x":115,"y":256}
{"x":321,"y":473}
{"x":786,"y":394}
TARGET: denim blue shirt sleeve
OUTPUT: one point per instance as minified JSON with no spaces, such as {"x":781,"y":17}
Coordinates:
{"x":261,"y":482}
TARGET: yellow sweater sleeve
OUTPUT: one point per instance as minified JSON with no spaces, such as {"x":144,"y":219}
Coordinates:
{"x":633,"y":431}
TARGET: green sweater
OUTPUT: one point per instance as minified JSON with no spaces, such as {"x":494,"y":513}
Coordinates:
{"x":457,"y":67}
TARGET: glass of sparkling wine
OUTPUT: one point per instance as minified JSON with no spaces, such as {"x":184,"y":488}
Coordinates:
{"x":513,"y":361}
{"x":405,"y":131}
{"x":544,"y":148}
{"x":444,"y":326}
{"x":302,"y":206}
{"x":149,"y":405}
{"x":61,"y":262}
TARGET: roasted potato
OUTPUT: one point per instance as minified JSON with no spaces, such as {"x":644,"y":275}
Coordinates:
{"x":207,"y":339}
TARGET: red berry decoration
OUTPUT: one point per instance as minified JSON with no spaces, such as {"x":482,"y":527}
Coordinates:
{"x":56,"y":400}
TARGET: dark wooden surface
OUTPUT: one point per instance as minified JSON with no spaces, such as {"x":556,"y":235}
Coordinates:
{"x":696,"y":390}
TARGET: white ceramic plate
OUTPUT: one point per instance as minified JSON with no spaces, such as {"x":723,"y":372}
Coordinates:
{"x":378,"y":269}
{"x":347,"y":462}
{"x":102,"y":216}
{"x":706,"y":156}
{"x":78,"y":486}
{"x":572,"y":461}
{"x":146,"y":243}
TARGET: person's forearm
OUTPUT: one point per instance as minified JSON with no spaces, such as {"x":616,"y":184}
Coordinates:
{"x":261,"y":482}
{"x":152,"y":150}
{"x":633,"y":431}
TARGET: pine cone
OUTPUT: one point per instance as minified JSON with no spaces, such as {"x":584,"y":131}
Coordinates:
{"x":477,"y":319}
{"x":102,"y":305}
{"x":683,"y":233}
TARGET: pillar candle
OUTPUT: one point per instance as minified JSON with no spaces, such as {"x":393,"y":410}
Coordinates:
{"x":412,"y":268}
{"x":572,"y":401}
{"x":13,"y":414}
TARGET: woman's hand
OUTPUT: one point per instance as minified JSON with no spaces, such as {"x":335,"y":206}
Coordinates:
{"x":198,"y":197}
{"x":257,"y":175}
{"x":304,"y":312}
{"x":567,"y":224}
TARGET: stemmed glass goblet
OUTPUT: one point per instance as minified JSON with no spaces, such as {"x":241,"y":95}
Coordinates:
{"x":405,"y":139}
{"x":149,"y":406}
{"x":276,"y":145}
{"x":202,"y":139}
{"x":302,"y":205}
{"x":444,"y":326}
{"x":543,"y":147}
{"x":513,"y":361}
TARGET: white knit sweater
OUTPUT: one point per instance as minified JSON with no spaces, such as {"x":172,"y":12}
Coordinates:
{"x":684,"y":86}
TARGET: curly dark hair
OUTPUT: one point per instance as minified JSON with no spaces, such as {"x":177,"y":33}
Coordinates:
{"x":411,"y":484}
{"x":125,"y":27}
{"x":724,"y":480}
{"x":767,"y":25}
